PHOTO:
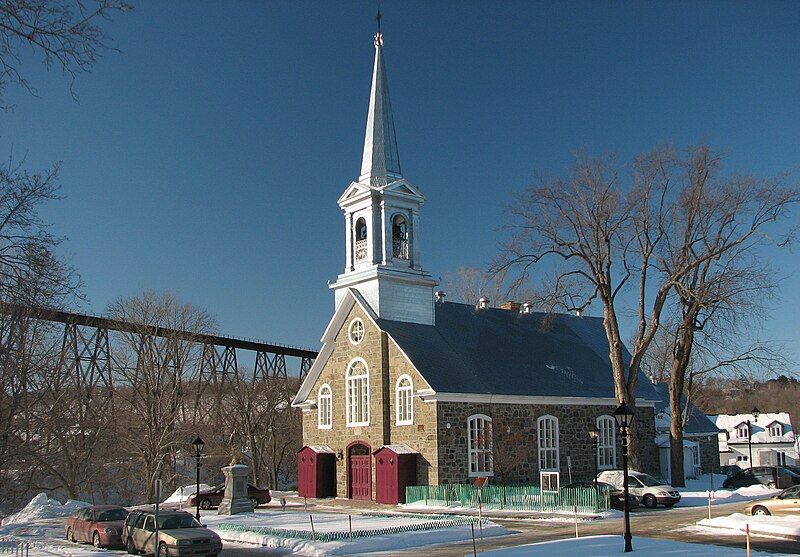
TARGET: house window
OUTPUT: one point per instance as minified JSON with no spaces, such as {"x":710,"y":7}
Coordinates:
{"x":324,"y":410}
{"x":403,"y":401}
{"x":776,"y":430}
{"x":357,"y":393}
{"x":481,"y":462}
{"x":548,"y":443}
{"x":781,"y":458}
{"x":356,"y":331}
{"x":742,"y":431}
{"x":742,"y":458}
{"x":399,"y":237}
{"x":606,"y":443}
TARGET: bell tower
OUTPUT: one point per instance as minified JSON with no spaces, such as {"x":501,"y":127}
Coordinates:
{"x":381,"y":213}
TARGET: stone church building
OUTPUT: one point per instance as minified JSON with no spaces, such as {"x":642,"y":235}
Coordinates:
{"x":473,"y":392}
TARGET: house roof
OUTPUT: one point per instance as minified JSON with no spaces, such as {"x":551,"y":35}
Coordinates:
{"x":759,"y":426}
{"x":503,"y":352}
{"x":697,"y":424}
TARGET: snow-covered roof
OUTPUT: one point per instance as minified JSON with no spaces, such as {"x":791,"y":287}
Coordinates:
{"x":760,"y":427}
{"x":321,"y":449}
{"x":399,"y":449}
{"x":698,"y":424}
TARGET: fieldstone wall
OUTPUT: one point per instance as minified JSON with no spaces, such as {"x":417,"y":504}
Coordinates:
{"x":515,"y":440}
{"x":709,"y":453}
{"x":420,"y":436}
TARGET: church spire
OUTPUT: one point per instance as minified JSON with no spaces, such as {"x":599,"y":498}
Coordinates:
{"x":380,"y":162}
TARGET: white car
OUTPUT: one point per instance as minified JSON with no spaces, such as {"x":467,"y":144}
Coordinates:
{"x":649,"y":490}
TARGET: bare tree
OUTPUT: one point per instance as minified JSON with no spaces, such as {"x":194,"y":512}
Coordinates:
{"x":153,"y":371}
{"x":62,"y":33}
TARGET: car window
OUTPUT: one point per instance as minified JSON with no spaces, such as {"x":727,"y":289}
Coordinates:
{"x":111,"y":515}
{"x":634,"y":482}
{"x":140,"y":520}
{"x":149,"y":524}
{"x":648,"y":480}
{"x":173,"y":522}
{"x":84,"y":514}
{"x":791,"y":493}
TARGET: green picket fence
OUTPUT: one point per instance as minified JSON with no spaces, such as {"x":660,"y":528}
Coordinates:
{"x":511,"y":497}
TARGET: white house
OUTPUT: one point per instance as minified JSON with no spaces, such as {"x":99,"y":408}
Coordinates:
{"x":768,"y":435}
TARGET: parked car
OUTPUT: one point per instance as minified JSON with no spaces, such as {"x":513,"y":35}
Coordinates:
{"x":213,"y":497}
{"x":100,"y":525}
{"x":616,"y":496}
{"x":651,"y":491}
{"x":729,"y":469}
{"x":787,"y":503}
{"x":770,"y":476}
{"x":179,"y":535}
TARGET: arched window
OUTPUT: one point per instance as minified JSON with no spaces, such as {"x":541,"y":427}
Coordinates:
{"x":399,"y":237}
{"x":361,"y":239}
{"x":324,"y":407}
{"x":404,"y":403}
{"x":357,"y":393}
{"x":479,"y":448}
{"x":547,"y":430}
{"x":606,"y":443}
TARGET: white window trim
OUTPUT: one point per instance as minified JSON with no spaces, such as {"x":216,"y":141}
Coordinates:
{"x":320,"y":414}
{"x":740,"y":428}
{"x":355,"y":321}
{"x":347,"y":380}
{"x":471,"y":451}
{"x":776,"y":427}
{"x":397,"y":393}
{"x":539,"y":443}
{"x":600,"y":446}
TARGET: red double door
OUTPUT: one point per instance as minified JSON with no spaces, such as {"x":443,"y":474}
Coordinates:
{"x":360,"y":472}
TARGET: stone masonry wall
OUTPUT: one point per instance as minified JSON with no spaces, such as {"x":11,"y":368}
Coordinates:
{"x":421,"y":435}
{"x":515,"y":440}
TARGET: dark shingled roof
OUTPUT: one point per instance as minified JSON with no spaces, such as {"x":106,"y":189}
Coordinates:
{"x":697,"y":423}
{"x":502,"y":352}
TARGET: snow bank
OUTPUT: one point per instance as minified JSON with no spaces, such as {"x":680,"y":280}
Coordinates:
{"x":602,"y":546}
{"x":691,"y":496}
{"x":42,"y":507}
{"x":182,"y":494}
{"x":774,"y":526}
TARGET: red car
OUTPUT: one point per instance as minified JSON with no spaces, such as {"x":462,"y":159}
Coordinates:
{"x":100,"y":525}
{"x":213,"y":497}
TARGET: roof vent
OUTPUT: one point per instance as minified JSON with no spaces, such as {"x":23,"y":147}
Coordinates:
{"x":483,"y":303}
{"x":440,"y":295}
{"x":527,"y":307}
{"x":578,"y":312}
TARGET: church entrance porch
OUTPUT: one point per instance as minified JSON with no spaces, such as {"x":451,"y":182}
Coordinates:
{"x":359,"y":471}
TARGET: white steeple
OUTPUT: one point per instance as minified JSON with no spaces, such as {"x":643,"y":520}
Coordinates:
{"x":381,"y":210}
{"x":380,"y":162}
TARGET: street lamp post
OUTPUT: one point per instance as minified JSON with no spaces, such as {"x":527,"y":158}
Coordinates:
{"x":198,"y":452}
{"x":624,"y":417}
{"x":755,"y":413}
{"x":594,"y":433}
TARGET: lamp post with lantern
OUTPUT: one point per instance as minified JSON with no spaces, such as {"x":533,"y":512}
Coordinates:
{"x":623,"y":415}
{"x":755,"y":413}
{"x":198,"y":452}
{"x":594,"y":433}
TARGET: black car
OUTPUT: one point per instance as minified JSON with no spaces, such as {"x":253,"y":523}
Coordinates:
{"x":616,"y":496}
{"x":780,"y":477}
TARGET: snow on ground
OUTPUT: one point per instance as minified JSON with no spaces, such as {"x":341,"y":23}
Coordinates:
{"x":773,"y":526}
{"x":335,"y":522}
{"x":696,"y":492}
{"x":42,"y":507}
{"x":602,"y":546}
{"x":421,"y":507}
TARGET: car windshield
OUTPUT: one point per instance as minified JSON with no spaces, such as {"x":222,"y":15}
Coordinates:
{"x":648,"y":480}
{"x":175,"y":521}
{"x":112,"y":515}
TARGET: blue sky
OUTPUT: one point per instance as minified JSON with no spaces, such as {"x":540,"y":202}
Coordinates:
{"x":207,"y":157}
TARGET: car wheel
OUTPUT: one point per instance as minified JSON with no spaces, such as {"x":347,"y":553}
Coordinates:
{"x":162,"y":550}
{"x":761,"y":511}
{"x":650,"y":501}
{"x":70,"y":537}
{"x":254,"y":501}
{"x":96,"y":539}
{"x":129,"y":547}
{"x":205,"y":504}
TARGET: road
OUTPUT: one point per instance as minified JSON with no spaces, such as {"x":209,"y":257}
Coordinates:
{"x":657,"y":523}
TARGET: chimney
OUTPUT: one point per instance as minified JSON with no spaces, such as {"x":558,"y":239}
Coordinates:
{"x":440,"y":295}
{"x":483,"y":303}
{"x":510,"y":305}
{"x":578,"y":312}
{"x":527,"y":307}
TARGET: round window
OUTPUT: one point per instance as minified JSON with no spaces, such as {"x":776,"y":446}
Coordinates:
{"x":356,"y":331}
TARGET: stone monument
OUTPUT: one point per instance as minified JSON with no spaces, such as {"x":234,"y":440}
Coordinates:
{"x":235,"y":500}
